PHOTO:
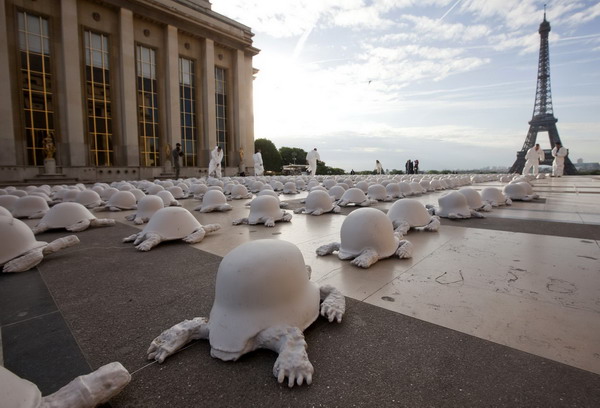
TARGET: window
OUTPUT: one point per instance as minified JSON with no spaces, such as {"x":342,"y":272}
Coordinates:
{"x":221,"y":109}
{"x":99,"y":116}
{"x":187,"y":103}
{"x":36,"y":84}
{"x":147,"y":106}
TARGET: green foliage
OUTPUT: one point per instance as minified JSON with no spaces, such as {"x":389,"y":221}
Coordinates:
{"x":292,"y":155}
{"x":270,"y":154}
{"x":396,"y":171}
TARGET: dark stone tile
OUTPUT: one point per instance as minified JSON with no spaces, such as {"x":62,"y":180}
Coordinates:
{"x":23,"y":295}
{"x":558,"y":229}
{"x":43,"y":351}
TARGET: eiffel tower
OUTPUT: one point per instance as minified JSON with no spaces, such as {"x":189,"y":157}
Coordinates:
{"x":543,"y":119}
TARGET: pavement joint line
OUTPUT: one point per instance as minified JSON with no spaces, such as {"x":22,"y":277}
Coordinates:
{"x":31,"y":318}
{"x":1,"y":351}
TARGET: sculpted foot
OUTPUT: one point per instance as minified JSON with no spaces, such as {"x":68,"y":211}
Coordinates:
{"x":171,"y":340}
{"x":328,"y":249}
{"x":292,"y":361}
{"x":90,"y":390}
{"x":334,"y":303}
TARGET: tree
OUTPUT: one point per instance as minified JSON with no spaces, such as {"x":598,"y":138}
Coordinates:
{"x":270,"y":154}
{"x":292,"y":155}
{"x":323,"y":170}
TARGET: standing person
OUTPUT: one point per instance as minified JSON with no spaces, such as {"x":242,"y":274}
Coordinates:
{"x":216,"y":156}
{"x":411,"y":169}
{"x":533,"y":157}
{"x":378,"y":167}
{"x":176,"y":154}
{"x":311,"y":159}
{"x":558,"y":165}
{"x":407,"y":166}
{"x":259,"y":168}
{"x":416,"y":167}
{"x":352,"y":173}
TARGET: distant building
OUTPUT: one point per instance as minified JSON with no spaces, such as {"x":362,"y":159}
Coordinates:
{"x":117,"y":83}
{"x":581,"y":166}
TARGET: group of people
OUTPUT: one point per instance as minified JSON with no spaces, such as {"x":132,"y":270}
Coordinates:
{"x":535,"y":155}
{"x":214,"y":166}
{"x":412,"y":167}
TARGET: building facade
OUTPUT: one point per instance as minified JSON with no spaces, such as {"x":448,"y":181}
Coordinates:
{"x":113,"y":85}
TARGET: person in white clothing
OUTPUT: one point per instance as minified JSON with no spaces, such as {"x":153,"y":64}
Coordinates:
{"x":216,"y":156}
{"x":258,"y":163}
{"x":558,"y":165}
{"x":311,"y":159}
{"x":533,"y":158}
{"x":378,"y":167}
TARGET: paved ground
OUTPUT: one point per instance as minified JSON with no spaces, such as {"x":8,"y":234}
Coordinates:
{"x":502,"y":311}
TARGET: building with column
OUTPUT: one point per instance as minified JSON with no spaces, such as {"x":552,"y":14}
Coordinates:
{"x":115,"y":84}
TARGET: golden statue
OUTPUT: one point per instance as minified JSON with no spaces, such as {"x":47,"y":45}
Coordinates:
{"x":48,"y":145}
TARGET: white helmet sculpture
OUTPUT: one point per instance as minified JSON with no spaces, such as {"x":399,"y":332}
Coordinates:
{"x":168,"y":198}
{"x":146,"y":208}
{"x":290,"y":188}
{"x":72,"y":217}
{"x":264,"y":209}
{"x":20,"y":251}
{"x":121,"y":200}
{"x":409,"y":213}
{"x":516,"y":191}
{"x":318,"y":202}
{"x":454,"y":205}
{"x":213,"y":200}
{"x":393,"y":190}
{"x":337,"y":192}
{"x":89,"y":198}
{"x":367,"y":235}
{"x":8,"y":201}
{"x":354,"y":196}
{"x":30,"y":207}
{"x":494,"y":197}
{"x":240,"y":192}
{"x":261,"y":301}
{"x":474,"y":200}
{"x":169,"y":224}
{"x":378,"y":192}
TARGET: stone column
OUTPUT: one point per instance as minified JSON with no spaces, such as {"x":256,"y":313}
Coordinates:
{"x":209,"y":139}
{"x":173,"y":125}
{"x":8,"y":154}
{"x":240,"y":126}
{"x":128,"y":90}
{"x":72,"y":142}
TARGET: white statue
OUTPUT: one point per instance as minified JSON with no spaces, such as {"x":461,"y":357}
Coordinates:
{"x":119,"y":201}
{"x":318,"y":202}
{"x":261,"y":301}
{"x":409,"y":213}
{"x":474,"y":199}
{"x":30,"y":206}
{"x":73,"y":217}
{"x":213,"y":200}
{"x":454,"y":205}
{"x":264,"y":209}
{"x":354,"y":196}
{"x":169,"y":224}
{"x":20,"y":251}
{"x":378,"y":192}
{"x":367,"y":235}
{"x":494,"y":197}
{"x":146,"y":208}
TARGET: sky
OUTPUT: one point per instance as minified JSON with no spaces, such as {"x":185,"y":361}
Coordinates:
{"x":450,"y":83}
